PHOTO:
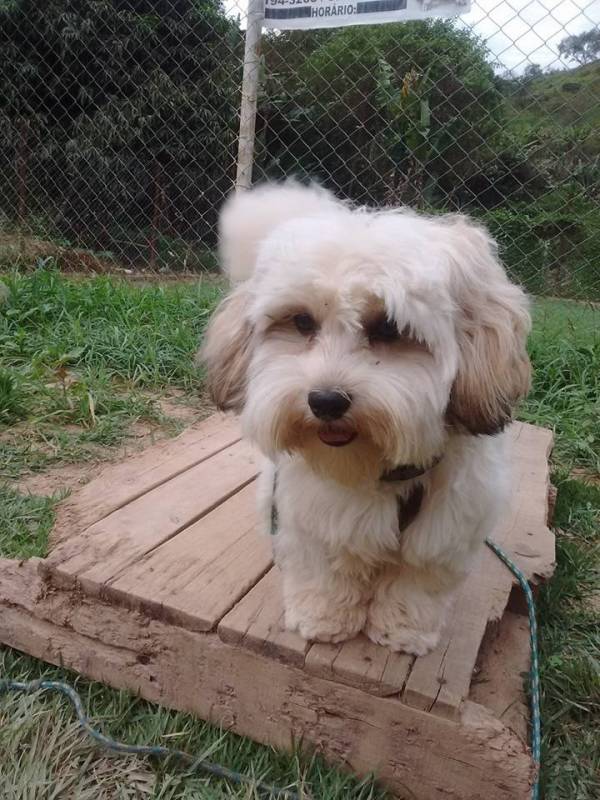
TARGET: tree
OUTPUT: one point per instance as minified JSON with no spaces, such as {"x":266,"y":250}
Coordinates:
{"x":531,"y":72}
{"x":382,"y":114}
{"x":583,"y":47}
{"x":130,"y":107}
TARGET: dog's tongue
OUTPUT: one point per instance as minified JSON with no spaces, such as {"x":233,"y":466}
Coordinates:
{"x":336,"y":435}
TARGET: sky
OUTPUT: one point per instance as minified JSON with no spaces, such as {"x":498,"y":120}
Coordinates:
{"x":517,"y":32}
{"x":522,"y":32}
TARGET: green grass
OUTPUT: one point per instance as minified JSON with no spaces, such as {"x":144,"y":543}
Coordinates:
{"x":565,"y":352}
{"x":64,"y":341}
{"x":570,"y":649}
{"x":566,"y":97}
{"x":25,"y":522}
{"x":39,"y":741}
{"x":82,"y":361}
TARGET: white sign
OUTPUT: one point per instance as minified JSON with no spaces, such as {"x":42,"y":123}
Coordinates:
{"x":303,"y":14}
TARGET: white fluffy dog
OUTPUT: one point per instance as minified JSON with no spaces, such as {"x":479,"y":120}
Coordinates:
{"x":375,"y":358}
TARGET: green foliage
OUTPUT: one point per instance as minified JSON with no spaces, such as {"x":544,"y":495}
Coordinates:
{"x":12,"y":399}
{"x":582,"y":47}
{"x":373,"y":105}
{"x":147,"y":335}
{"x":121,"y":109}
{"x":118,"y":121}
{"x":543,"y":102}
{"x":550,"y":251}
{"x":541,"y":189}
{"x":570,"y":648}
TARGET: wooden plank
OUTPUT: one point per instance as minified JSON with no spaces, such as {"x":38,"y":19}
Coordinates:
{"x":194,"y":578}
{"x":257,"y":623}
{"x":527,"y":535}
{"x":413,"y":754}
{"x":122,"y":483}
{"x":441,"y":680}
{"x":109,"y":546}
{"x":502,"y":662}
{"x":360,"y":663}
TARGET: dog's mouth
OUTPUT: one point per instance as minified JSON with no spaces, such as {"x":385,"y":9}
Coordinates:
{"x":336,"y":434}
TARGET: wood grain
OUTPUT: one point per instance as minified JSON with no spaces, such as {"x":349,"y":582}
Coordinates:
{"x":108,"y":547}
{"x":362,"y":664}
{"x":187,"y":551}
{"x":194,"y":578}
{"x":257,"y":623}
{"x":119,"y":484}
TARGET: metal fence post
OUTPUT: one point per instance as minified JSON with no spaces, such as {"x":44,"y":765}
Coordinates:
{"x":256,"y":12}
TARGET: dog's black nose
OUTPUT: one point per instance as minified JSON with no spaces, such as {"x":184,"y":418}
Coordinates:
{"x":329,"y":404}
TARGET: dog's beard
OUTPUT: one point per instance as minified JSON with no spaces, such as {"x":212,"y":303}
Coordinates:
{"x":388,"y":423}
{"x":376,"y":440}
{"x":356,"y":463}
{"x":349,"y":451}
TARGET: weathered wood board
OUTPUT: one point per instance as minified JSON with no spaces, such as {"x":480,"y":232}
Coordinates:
{"x":161,"y":582}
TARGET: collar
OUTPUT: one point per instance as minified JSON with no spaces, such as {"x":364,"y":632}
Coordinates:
{"x":407,"y":472}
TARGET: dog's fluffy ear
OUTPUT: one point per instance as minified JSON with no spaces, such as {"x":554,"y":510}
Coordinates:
{"x":493,"y":322}
{"x":226,"y":351}
{"x":248,"y":217}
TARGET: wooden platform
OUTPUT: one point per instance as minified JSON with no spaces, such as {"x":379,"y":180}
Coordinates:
{"x":160,"y":582}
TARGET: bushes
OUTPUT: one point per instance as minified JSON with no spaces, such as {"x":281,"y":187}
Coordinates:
{"x":381,"y":114}
{"x":554,"y":252}
{"x":118,"y":114}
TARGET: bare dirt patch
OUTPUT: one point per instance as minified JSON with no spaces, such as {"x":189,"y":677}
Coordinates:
{"x":67,"y":477}
{"x":580,"y":474}
{"x":58,"y":479}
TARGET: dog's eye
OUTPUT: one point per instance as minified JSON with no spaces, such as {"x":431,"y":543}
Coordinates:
{"x":305,"y":324}
{"x":383,"y":330}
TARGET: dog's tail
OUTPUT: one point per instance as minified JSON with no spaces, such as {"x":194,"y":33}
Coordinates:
{"x":248,"y":217}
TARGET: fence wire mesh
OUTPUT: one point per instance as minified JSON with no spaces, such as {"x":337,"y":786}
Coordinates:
{"x":119,"y":123}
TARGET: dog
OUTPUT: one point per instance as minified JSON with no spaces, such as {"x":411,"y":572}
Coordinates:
{"x":375,"y":358}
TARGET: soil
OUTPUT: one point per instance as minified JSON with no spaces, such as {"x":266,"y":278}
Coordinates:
{"x":80,"y":263}
{"x":68,"y":477}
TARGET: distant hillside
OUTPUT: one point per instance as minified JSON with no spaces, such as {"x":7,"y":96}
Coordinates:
{"x":569,"y":97}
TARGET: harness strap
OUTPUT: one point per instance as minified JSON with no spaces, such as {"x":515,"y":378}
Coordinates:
{"x":409,"y":507}
{"x":274,"y":514}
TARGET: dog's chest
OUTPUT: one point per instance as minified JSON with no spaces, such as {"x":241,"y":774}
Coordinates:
{"x":365,"y":522}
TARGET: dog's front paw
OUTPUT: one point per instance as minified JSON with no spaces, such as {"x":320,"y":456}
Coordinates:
{"x":404,"y":639}
{"x":326,"y":624}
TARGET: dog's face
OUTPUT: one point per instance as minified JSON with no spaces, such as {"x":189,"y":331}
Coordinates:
{"x":359,"y":340}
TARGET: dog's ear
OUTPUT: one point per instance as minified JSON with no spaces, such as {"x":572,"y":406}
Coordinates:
{"x":248,"y":217}
{"x":226,"y":351}
{"x":492,"y":325}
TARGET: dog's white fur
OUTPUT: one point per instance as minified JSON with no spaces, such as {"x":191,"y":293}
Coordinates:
{"x":445,"y":388}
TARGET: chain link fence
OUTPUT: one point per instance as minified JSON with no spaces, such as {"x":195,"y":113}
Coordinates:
{"x":119,"y":122}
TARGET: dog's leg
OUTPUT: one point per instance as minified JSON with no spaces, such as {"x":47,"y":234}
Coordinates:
{"x":324,"y":600}
{"x":409,"y":607}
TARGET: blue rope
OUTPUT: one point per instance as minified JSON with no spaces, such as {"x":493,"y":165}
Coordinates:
{"x":534,"y":670}
{"x":143,"y":750}
{"x":224,"y":773}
